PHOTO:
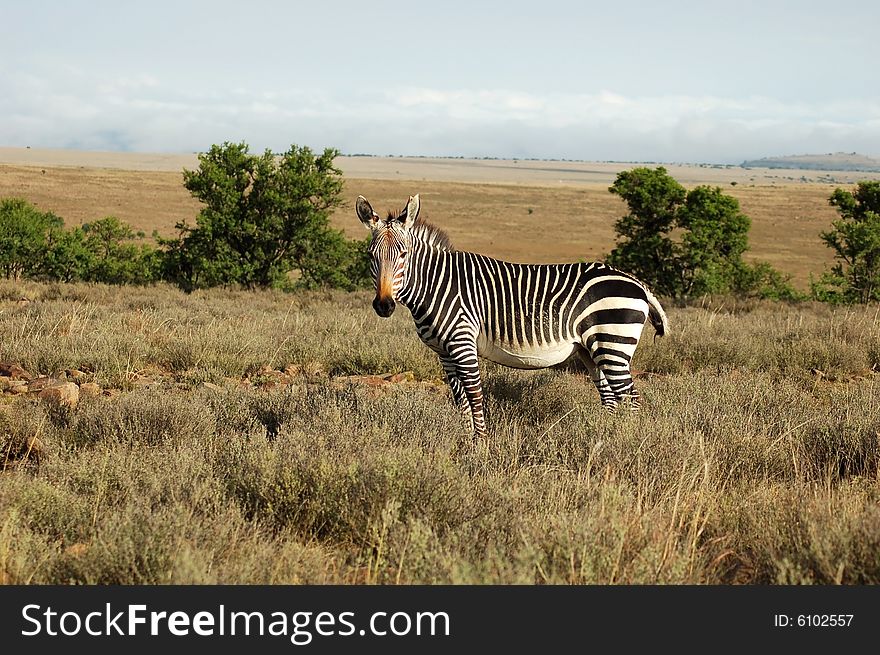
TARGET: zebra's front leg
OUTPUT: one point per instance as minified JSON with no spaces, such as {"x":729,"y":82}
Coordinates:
{"x":463,"y":354}
{"x":459,"y":395}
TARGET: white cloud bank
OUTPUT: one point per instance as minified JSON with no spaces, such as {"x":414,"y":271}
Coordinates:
{"x":76,"y":110}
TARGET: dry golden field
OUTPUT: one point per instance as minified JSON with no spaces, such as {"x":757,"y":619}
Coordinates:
{"x":520,"y":211}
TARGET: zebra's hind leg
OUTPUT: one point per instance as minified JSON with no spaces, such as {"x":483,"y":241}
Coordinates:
{"x":621,"y":383}
{"x":606,"y":394}
{"x":611,"y":355}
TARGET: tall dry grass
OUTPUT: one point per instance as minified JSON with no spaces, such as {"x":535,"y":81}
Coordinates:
{"x":754,"y":460}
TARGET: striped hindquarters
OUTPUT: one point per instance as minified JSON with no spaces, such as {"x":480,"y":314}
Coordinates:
{"x":533,"y":305}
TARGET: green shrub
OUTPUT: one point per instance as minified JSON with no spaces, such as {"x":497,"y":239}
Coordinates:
{"x":706,"y":259}
{"x":25,"y":237}
{"x":35,"y":245}
{"x":855,"y":239}
{"x":265,"y":217}
{"x":114,"y":258}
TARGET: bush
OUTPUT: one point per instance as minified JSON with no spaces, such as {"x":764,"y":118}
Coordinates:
{"x":34,"y":244}
{"x":707,"y":259}
{"x":69,"y":257}
{"x":761,"y":280}
{"x":264,"y":218}
{"x":855,"y":239}
{"x":25,"y":235}
{"x":115,"y":259}
{"x":643,"y":248}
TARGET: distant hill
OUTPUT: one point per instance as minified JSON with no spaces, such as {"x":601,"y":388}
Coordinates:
{"x":836,"y":161}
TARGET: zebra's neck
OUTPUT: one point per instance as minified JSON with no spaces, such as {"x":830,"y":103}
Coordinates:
{"x":428,"y":265}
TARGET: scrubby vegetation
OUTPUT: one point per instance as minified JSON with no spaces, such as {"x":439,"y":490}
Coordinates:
{"x":755,"y":458}
{"x":264,"y":223}
{"x":855,"y":239}
{"x":686,"y":244}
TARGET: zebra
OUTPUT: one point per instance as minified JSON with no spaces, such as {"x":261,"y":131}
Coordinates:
{"x":466,"y":305}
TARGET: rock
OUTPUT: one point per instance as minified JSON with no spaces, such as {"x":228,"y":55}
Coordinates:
{"x":14,"y":371}
{"x":211,"y":386}
{"x":62,"y":394}
{"x":34,"y":448}
{"x":22,"y":449}
{"x":42,"y":382}
{"x":18,"y":387}
{"x":75,"y":374}
{"x":77,"y":550}
{"x":406,"y":376}
{"x":376,"y":380}
{"x":314,"y":370}
{"x":90,"y":389}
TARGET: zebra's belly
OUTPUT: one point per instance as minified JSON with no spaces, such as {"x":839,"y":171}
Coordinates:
{"x":525,"y":356}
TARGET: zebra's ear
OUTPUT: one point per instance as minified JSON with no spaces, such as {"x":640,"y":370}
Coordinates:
{"x":411,"y":212}
{"x":365,"y":213}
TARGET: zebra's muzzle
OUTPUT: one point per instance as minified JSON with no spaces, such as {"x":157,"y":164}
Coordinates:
{"x":384,"y":307}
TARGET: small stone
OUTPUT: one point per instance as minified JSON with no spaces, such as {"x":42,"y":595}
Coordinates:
{"x":41,"y":383}
{"x":75,"y":374}
{"x":22,"y":449}
{"x":63,"y":394}
{"x":90,"y":389}
{"x":14,"y":371}
{"x":18,"y":387}
{"x":76,"y":550}
{"x":406,"y":376}
{"x":34,"y":448}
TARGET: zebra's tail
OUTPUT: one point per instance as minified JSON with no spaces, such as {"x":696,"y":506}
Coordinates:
{"x":657,"y":315}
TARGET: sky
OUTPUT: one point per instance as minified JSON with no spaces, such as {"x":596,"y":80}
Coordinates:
{"x":667,"y":81}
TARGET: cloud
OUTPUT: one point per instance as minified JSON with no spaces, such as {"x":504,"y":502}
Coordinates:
{"x":144,"y":113}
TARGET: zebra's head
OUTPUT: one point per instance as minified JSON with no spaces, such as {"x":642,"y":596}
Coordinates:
{"x":392,"y":239}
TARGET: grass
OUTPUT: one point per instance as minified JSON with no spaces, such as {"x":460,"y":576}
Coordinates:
{"x":754,"y":460}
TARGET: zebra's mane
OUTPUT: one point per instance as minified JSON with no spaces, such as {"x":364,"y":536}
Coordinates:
{"x":432,"y":235}
{"x":429,"y":234}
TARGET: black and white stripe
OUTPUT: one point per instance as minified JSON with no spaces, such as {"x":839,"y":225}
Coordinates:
{"x":467,"y":305}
